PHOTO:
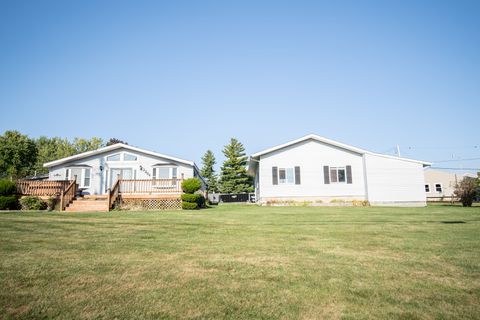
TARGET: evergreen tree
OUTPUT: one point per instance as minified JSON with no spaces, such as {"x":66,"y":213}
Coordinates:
{"x":234,"y":178}
{"x":208,"y":172}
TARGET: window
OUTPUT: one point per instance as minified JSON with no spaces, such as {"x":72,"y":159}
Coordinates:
{"x":86,"y":177}
{"x":164,"y":173}
{"x":427,"y":188}
{"x":282,"y":175}
{"x":67,"y":174}
{"x":174,"y":176}
{"x":286,"y":176}
{"x":114,"y":157}
{"x":129,"y":157}
{"x":438,"y":187}
{"x":290,"y":177}
{"x":337,"y":175}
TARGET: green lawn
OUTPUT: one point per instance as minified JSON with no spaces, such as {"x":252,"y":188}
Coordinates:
{"x":242,"y":262}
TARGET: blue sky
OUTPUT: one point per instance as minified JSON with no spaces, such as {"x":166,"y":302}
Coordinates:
{"x":181,"y":77}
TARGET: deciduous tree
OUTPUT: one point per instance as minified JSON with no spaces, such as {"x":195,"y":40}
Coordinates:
{"x":466,"y":191}
{"x":115,"y":141}
{"x":18,"y":154}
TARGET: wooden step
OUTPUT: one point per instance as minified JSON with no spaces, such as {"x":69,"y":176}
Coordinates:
{"x":87,"y":205}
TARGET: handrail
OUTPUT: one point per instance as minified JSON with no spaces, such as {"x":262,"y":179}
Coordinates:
{"x":151,"y":186}
{"x":41,"y":187}
{"x":68,"y":195}
{"x":113,"y":193}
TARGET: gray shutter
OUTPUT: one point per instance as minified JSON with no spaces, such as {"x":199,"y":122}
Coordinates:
{"x":349,"y":174}
{"x":326,"y":175}
{"x":297,"y":175}
{"x":275,"y":175}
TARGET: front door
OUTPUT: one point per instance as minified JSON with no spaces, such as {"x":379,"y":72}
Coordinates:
{"x":123,"y":173}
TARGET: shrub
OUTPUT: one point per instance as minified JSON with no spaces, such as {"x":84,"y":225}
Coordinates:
{"x":7,"y":188}
{"x":8,"y":202}
{"x":360,"y":203}
{"x":189,"y":205}
{"x":33,"y":203}
{"x":51,"y":203}
{"x":201,"y":201}
{"x":197,"y":199}
{"x":191,"y":185}
{"x":187,"y":197}
{"x":466,"y":190}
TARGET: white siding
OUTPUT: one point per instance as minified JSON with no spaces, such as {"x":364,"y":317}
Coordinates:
{"x":99,"y":177}
{"x":311,"y":156}
{"x":394,"y":181}
{"x":447,"y":180}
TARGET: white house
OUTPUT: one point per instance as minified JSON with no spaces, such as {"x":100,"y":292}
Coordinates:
{"x":97,"y":171}
{"x":314,"y":168}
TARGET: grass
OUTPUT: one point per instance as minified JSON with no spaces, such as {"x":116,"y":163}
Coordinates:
{"x":242,"y":262}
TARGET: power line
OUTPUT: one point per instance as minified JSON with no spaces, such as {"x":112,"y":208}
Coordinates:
{"x":454,"y":160}
{"x":477,"y":169}
{"x":440,"y":148}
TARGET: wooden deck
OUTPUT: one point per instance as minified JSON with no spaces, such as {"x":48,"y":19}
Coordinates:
{"x":153,"y":193}
{"x":41,"y":187}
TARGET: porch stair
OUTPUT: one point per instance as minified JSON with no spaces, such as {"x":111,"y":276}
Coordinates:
{"x":88,"y":204}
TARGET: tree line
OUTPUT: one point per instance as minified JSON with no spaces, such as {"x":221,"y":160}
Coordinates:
{"x":22,"y":156}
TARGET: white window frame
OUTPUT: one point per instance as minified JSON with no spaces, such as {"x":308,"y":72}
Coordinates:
{"x":337,"y":169}
{"x":131,"y":154}
{"x":287,"y":170}
{"x":67,"y":173}
{"x":427,"y":186}
{"x":89,"y":178}
{"x":441,"y":187}
{"x":170,"y":175}
{"x":121,"y":156}
{"x":114,"y":154}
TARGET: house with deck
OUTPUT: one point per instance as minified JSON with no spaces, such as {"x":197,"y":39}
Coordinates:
{"x":98,"y":180}
{"x":317,"y":169}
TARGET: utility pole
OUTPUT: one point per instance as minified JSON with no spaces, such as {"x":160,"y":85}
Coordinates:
{"x":398,"y":151}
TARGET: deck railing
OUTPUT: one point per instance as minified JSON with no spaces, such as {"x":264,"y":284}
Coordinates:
{"x":68,"y":195}
{"x":151,"y":186}
{"x":42,"y":187}
{"x":112,"y":194}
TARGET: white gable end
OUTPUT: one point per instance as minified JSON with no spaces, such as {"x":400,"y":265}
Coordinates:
{"x":311,"y":156}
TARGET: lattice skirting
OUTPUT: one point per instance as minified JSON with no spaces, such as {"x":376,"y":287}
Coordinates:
{"x":151,"y":204}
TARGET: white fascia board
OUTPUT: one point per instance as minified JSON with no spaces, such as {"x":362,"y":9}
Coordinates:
{"x":110,"y":148}
{"x":315,"y":137}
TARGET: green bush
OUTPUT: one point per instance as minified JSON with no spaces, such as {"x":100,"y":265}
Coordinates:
{"x":32,"y":203}
{"x":191,"y":185}
{"x":51,"y":203}
{"x":8,"y":202}
{"x":201,"y":201}
{"x":7,"y":188}
{"x":187,"y":197}
{"x":189,"y":205}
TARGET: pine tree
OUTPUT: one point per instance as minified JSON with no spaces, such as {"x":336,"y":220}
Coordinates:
{"x":234,"y":178}
{"x":208,"y":172}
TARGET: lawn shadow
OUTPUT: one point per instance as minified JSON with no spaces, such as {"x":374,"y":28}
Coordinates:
{"x":452,"y":222}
